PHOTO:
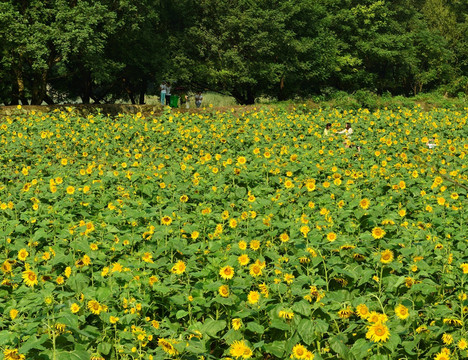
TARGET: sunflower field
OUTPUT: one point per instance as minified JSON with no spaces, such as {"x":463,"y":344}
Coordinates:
{"x":234,"y":235}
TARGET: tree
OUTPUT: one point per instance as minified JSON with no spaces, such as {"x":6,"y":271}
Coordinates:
{"x":39,"y":35}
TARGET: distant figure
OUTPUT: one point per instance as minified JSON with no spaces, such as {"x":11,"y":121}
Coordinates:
{"x":168,"y":94}
{"x":327,"y":131}
{"x":163,"y":92}
{"x":431,"y":144}
{"x":198,"y":99}
{"x":187,"y":102}
{"x":348,"y":131}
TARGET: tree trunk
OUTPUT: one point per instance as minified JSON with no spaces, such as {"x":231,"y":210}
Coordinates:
{"x":86,"y":88}
{"x":129,"y":91}
{"x":143,"y":87}
{"x":244,"y":96}
{"x":48,"y":100}
{"x":39,"y":88}
{"x":281,"y":92}
{"x":20,"y":83}
{"x":250,"y":97}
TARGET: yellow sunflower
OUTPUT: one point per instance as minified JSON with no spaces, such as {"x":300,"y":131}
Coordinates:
{"x":30,"y":278}
{"x":243,"y":259}
{"x":362,"y":311}
{"x":253,"y":297}
{"x":386,"y":256}
{"x":401,"y":311}
{"x":331,"y":236}
{"x":364,"y":203}
{"x":179,"y":267}
{"x":224,"y":290}
{"x":227,"y":272}
{"x":299,"y":351}
{"x":378,"y":233}
{"x":378,"y":332}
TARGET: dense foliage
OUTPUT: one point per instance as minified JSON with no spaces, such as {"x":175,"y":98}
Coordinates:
{"x":100,"y":51}
{"x":234,"y":235}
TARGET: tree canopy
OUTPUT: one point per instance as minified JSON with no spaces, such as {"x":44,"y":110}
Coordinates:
{"x":104,"y":50}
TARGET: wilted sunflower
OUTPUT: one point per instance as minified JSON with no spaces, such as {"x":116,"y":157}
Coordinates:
{"x":167,"y":346}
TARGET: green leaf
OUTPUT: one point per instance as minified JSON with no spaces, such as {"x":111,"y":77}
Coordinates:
{"x":276,"y":348}
{"x":306,"y":331}
{"x":73,"y":355}
{"x":361,"y":348}
{"x":6,"y":337}
{"x":196,"y":347}
{"x":78,"y":282}
{"x":302,"y":307}
{"x":212,"y":327}
{"x":320,"y":326}
{"x":393,"y":342}
{"x":337,"y":344}
{"x":104,"y":348}
{"x":33,"y":343}
{"x":181,"y":313}
{"x":279,"y":324}
{"x":255,"y":327}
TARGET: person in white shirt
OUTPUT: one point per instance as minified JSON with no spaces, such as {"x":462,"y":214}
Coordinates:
{"x":198,"y":99}
{"x":348,"y":131}
{"x":163,"y":92}
{"x":168,"y":94}
{"x":431,"y":144}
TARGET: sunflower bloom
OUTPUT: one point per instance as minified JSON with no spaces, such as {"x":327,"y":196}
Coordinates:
{"x":240,"y":349}
{"x":362,"y":311}
{"x":179,"y":267}
{"x":378,"y":233}
{"x":236,"y":323}
{"x":364,"y":203}
{"x":224,"y":291}
{"x":386,"y":256}
{"x":401,"y":312}
{"x":378,"y":332}
{"x":227,"y":272}
{"x":253,"y":297}
{"x":299,"y":351}
{"x":30,"y":278}
{"x":94,"y":307}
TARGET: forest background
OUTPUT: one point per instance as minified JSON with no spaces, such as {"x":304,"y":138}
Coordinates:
{"x":103,"y":51}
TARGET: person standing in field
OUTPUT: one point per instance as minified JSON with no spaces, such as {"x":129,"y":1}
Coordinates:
{"x":163,"y":92}
{"x":327,"y":130}
{"x":348,"y":131}
{"x":198,"y":99}
{"x":168,"y":94}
